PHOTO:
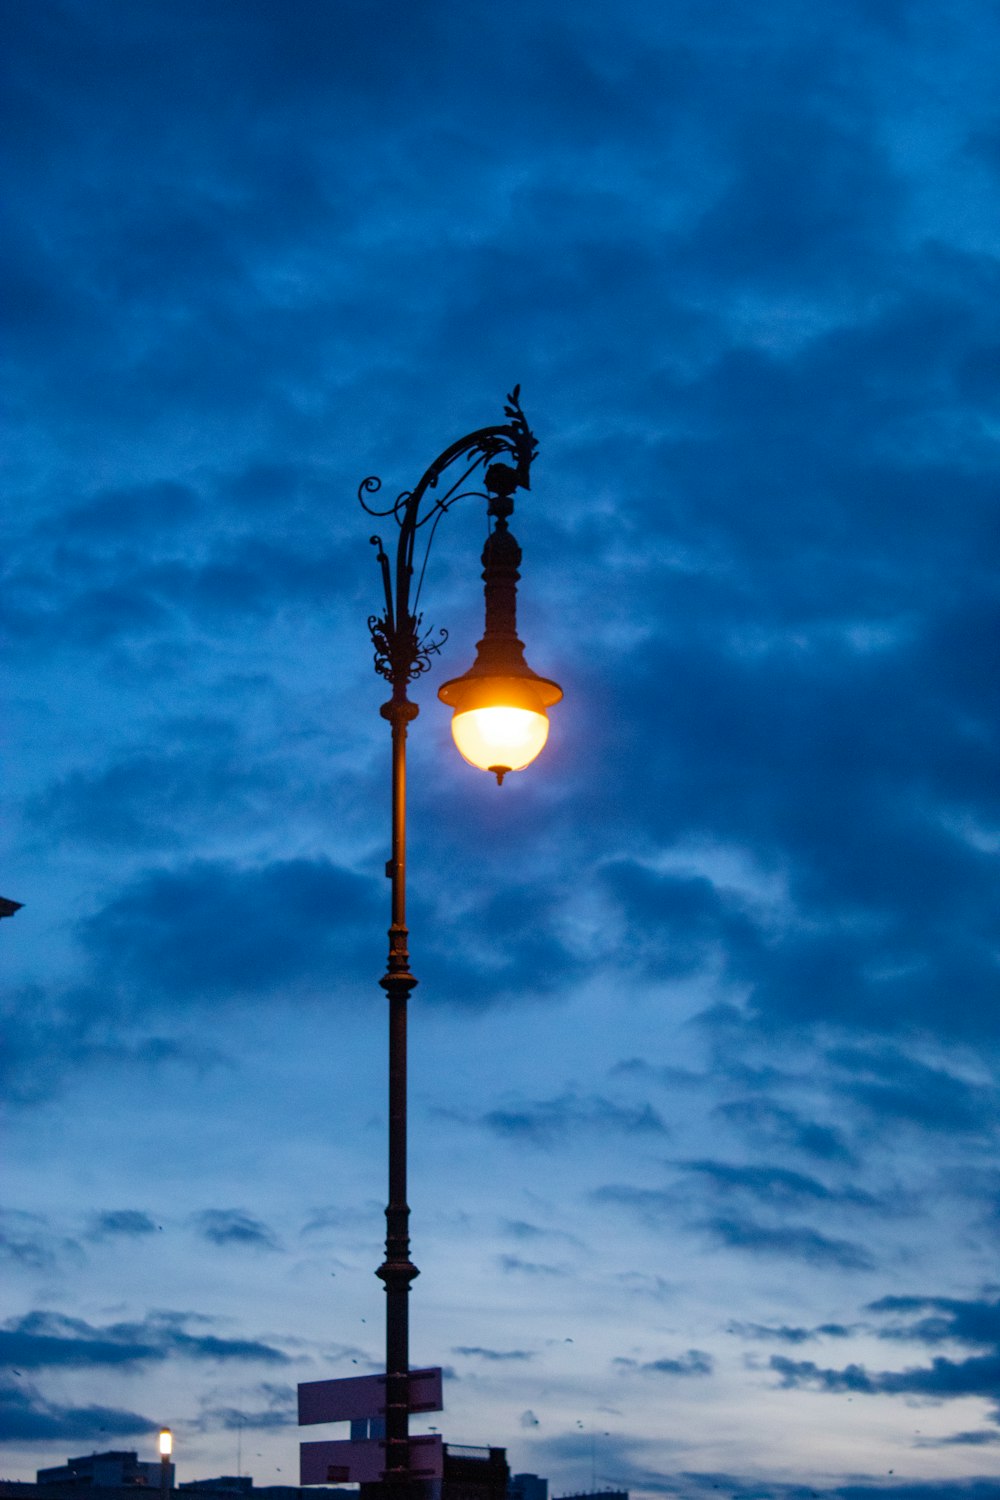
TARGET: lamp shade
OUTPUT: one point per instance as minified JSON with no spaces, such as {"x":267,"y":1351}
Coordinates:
{"x":499,"y":722}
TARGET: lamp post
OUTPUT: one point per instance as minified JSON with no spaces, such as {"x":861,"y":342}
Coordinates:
{"x":166,"y":1449}
{"x":499,"y":723}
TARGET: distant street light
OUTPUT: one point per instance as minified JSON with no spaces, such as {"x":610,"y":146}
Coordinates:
{"x":499,"y":724}
{"x":166,"y":1449}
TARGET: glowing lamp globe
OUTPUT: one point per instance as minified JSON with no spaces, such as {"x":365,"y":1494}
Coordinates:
{"x":499,"y":722}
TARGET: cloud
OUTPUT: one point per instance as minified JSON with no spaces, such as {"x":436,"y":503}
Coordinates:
{"x":744,"y":1233}
{"x":276,"y":1406}
{"x":515,"y":1264}
{"x":513,"y":948}
{"x":231,"y":1226}
{"x":794,"y":1242}
{"x":867,"y":883}
{"x":130,"y":1222}
{"x":682,"y":922}
{"x":52,"y":1033}
{"x":787,"y":1333}
{"x":889,"y":1084}
{"x":980,"y":1438}
{"x":27,"y":1242}
{"x":255,"y":930}
{"x":943,"y":1378}
{"x":41,"y":1340}
{"x":27,"y":1417}
{"x":973,"y":1322}
{"x":777,"y":1186}
{"x":694,"y":1362}
{"x":48,"y":1340}
{"x":148,"y":800}
{"x":951,"y":1319}
{"x":521,"y":1229}
{"x":546,"y":1122}
{"x":766,"y":1121}
{"x":493,"y":1355}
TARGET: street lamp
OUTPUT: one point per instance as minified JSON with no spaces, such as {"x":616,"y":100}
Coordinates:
{"x":166,"y":1449}
{"x":499,"y":723}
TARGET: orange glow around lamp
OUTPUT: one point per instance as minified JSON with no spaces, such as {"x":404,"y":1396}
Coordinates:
{"x":499,"y":721}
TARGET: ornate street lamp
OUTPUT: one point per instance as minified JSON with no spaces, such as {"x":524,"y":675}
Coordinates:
{"x":499,"y":723}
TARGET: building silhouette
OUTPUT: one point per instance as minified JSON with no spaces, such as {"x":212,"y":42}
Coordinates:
{"x":118,"y":1475}
{"x":527,"y":1487}
{"x":469,"y":1474}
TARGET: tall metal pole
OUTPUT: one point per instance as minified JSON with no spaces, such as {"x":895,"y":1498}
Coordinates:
{"x":402,"y":653}
{"x":397,"y":1270}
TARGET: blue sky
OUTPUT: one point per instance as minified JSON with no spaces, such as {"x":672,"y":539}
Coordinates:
{"x":704,"y":1097}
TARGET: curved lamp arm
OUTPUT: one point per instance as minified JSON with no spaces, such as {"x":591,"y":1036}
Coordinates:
{"x":401,"y":652}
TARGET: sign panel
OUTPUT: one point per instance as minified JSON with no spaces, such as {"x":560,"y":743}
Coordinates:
{"x":360,"y":1396}
{"x":362,"y":1463}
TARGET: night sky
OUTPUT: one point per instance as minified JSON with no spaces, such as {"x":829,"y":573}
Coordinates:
{"x":705,"y":1046}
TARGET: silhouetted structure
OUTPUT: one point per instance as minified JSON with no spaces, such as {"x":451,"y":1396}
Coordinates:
{"x":227,"y":1485}
{"x":469,"y":1474}
{"x":118,"y":1474}
{"x":596,"y":1495}
{"x":118,"y":1469}
{"x":8,"y":908}
{"x":527,"y":1487}
{"x":474,"y":1473}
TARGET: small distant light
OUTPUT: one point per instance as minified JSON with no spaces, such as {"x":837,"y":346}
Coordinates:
{"x":166,"y":1443}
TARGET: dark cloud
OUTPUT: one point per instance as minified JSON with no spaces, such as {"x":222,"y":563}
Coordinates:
{"x":942,"y":1379}
{"x":687,"y":921}
{"x":148,"y":801}
{"x":694,"y":1362}
{"x":53,"y":1034}
{"x":792,"y":1242}
{"x":777,"y":1186}
{"x":514,"y":1263}
{"x":492,"y":1355}
{"x":27,"y":1417}
{"x":975,"y":1322}
{"x":546,"y":1122}
{"x":130,"y":1222}
{"x":980,"y":1438}
{"x":741,"y":1231}
{"x":252,"y":930}
{"x":231,"y":1226}
{"x":826,"y":754}
{"x":28,"y":1242}
{"x":522,"y":1230}
{"x":41,"y":1340}
{"x":765,"y":1121}
{"x":788,"y":1334}
{"x":889,"y":1084}
{"x":512,"y":951}
{"x":48,"y":1339}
